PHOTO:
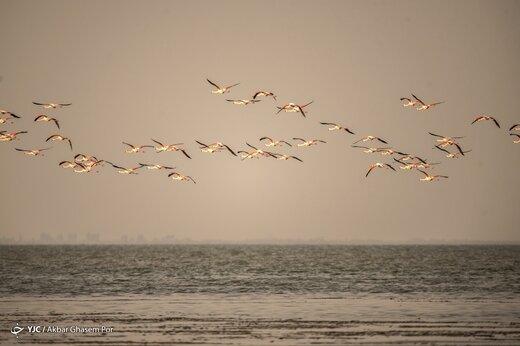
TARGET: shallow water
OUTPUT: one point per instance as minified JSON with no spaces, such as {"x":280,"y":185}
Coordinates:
{"x":263,"y":294}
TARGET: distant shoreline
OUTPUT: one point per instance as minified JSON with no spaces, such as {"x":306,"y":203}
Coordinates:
{"x":261,"y":244}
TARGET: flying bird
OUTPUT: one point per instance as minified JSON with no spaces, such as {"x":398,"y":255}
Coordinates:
{"x":132,"y":149}
{"x":32,"y":152}
{"x":44,"y":117}
{"x":417,"y":165}
{"x":123,"y":170}
{"x":155,"y":167}
{"x":448,"y":141}
{"x":370,"y":138}
{"x":52,"y":105}
{"x":336,"y":127}
{"x":264,"y":94}
{"x":255,"y":153}
{"x":76,"y":167}
{"x":369,"y":150}
{"x":9,"y":116}
{"x":409,"y":102}
{"x":428,"y":177}
{"x":293,"y":108}
{"x":308,"y":143}
{"x":286,"y":157}
{"x":180,"y":177}
{"x":390,"y":151}
{"x":379,"y":165}
{"x":68,"y":164}
{"x":517,"y":140}
{"x":243,"y":102}
{"x":10,"y":136}
{"x":445,"y":139}
{"x":219,"y":89}
{"x":274,"y":143}
{"x":485,"y":118}
{"x":451,"y":155}
{"x":85,"y":158}
{"x":515,"y":127}
{"x":169,"y":147}
{"x":59,"y":138}
{"x":215,"y":147}
{"x":425,"y":106}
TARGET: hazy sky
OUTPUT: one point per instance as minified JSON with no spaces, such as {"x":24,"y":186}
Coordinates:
{"x":136,"y":70}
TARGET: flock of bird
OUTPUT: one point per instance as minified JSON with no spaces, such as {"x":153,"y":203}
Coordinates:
{"x":86,"y":163}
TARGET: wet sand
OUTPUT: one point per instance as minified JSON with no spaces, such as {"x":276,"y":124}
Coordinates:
{"x":263,"y":320}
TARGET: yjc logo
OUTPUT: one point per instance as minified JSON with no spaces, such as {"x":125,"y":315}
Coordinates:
{"x":16,"y":330}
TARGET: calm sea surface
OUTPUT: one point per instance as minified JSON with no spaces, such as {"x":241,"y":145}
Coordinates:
{"x":263,"y":294}
{"x":466,"y":271}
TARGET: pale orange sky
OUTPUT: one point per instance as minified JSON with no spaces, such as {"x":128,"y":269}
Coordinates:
{"x":136,"y":70}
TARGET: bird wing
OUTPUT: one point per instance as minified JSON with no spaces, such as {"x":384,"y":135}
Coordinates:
{"x":289,"y":144}
{"x":185,"y":153}
{"x":477,"y":119}
{"x":332,"y":124}
{"x":389,"y":166}
{"x":39,"y":117}
{"x":349,"y":131}
{"x":215,"y":85}
{"x":51,"y":137}
{"x":40,"y":104}
{"x":459,"y":149}
{"x":249,"y":145}
{"x":305,"y":105}
{"x":56,"y":122}
{"x":157,"y":142}
{"x":418,"y":99}
{"x":232,"y":85}
{"x":296,"y":158}
{"x":231,"y":151}
{"x":370,"y":170}
{"x":446,"y":151}
{"x":512,"y":127}
{"x":299,"y":139}
{"x":423,"y":172}
{"x":381,"y":140}
{"x":268,"y":138}
{"x":64,"y":104}
{"x":130,"y":145}
{"x":436,"y":135}
{"x":405,"y":99}
{"x":200,"y":143}
{"x":70,"y":143}
{"x":496,"y":122}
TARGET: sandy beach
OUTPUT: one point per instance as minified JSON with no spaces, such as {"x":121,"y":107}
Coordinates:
{"x":263,"y":320}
